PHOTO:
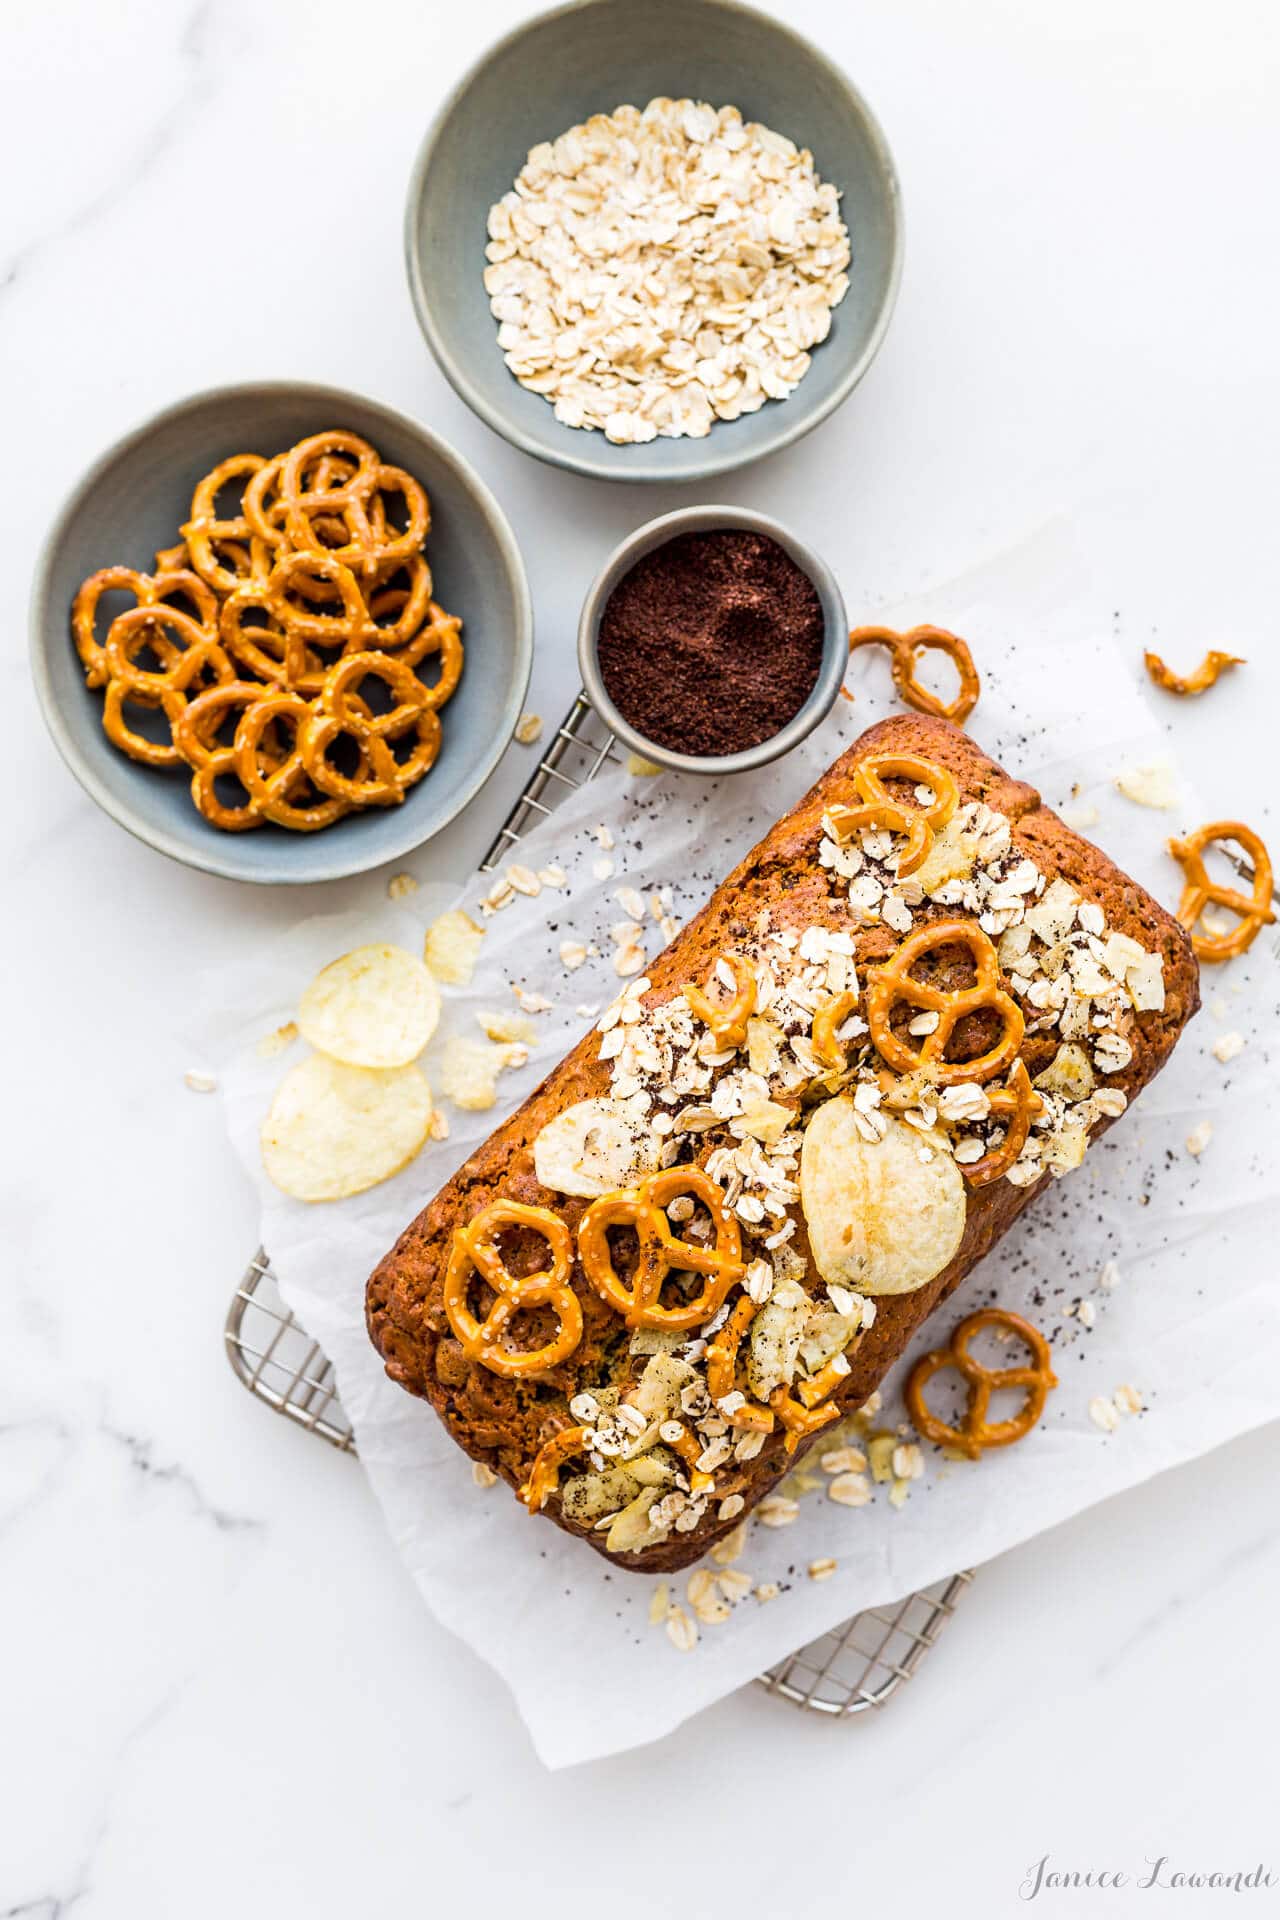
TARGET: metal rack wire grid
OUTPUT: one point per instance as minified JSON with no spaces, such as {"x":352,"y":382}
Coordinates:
{"x":850,"y":1670}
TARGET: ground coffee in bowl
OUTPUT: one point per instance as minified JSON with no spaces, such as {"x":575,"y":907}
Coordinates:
{"x":712,"y":642}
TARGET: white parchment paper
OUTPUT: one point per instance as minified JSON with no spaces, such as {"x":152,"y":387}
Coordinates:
{"x":1193,"y":1320}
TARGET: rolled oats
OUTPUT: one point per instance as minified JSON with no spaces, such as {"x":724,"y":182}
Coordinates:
{"x":654,"y":272}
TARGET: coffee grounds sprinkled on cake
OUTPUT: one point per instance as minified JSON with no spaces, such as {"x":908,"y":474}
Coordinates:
{"x":712,"y":643}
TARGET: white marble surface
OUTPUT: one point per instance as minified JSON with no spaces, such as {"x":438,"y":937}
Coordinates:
{"x":219,"y":1694}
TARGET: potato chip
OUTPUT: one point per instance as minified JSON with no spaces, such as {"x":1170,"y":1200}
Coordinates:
{"x":881,"y":1218}
{"x":592,"y":1148}
{"x":469,"y":1072}
{"x":453,"y":947}
{"x":334,"y":1130}
{"x":374,"y":1007}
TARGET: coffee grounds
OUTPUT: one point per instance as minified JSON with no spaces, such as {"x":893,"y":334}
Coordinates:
{"x":712,"y":643}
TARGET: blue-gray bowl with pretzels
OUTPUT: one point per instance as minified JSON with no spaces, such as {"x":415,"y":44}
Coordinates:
{"x":339,"y":771}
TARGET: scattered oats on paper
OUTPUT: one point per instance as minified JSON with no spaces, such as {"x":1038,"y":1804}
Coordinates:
{"x":652,"y":273}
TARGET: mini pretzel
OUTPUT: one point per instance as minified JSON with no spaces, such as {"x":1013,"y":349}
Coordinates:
{"x":903,"y":648}
{"x":474,"y":1251}
{"x":274,"y":790}
{"x":798,"y":1413}
{"x":368,"y":547}
{"x":194,"y":732}
{"x":1255,"y":910}
{"x":544,"y":1475}
{"x":727,"y":1019}
{"x":870,"y":774}
{"x":206,"y":536}
{"x":974,"y":1435}
{"x":800,"y":1420}
{"x":894,"y":981}
{"x":149,"y":590}
{"x":1020,"y":1102}
{"x":187,"y":653}
{"x":846,"y":821}
{"x":382,"y":780}
{"x":722,"y":1369}
{"x":827,"y":1021}
{"x":661,"y":1252}
{"x":1213,"y":665}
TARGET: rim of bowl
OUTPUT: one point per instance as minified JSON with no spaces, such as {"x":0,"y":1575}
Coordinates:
{"x":137,"y":823}
{"x":835,"y":644}
{"x":714,"y":464}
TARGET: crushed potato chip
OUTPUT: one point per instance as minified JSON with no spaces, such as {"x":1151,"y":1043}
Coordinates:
{"x":1151,"y":785}
{"x":469,"y":1072}
{"x":335,"y":1130}
{"x":506,"y":1025}
{"x":453,"y":947}
{"x":278,"y":1041}
{"x":375,"y":1007}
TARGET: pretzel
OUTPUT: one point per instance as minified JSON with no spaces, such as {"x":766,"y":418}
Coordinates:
{"x":1255,"y":910}
{"x":722,"y":1369}
{"x":381,"y":780}
{"x":544,"y":1474}
{"x":661,"y":1252}
{"x":194,"y":731}
{"x":894,"y":981}
{"x":870,"y":774}
{"x":846,"y":821}
{"x":831,"y":1016}
{"x":148,"y":589}
{"x":1204,"y":676}
{"x":727,"y":1019}
{"x":973,"y":1436}
{"x":185,"y":660}
{"x":798,"y":1413}
{"x":474,"y":1251}
{"x":369,"y":545}
{"x":1020,"y":1102}
{"x":903,"y":648}
{"x":206,"y":536}
{"x":274,"y":791}
{"x":800,"y":1420}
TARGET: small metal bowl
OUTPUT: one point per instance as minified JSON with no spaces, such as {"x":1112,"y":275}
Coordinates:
{"x":133,"y":501}
{"x":835,"y":648}
{"x":553,"y":72}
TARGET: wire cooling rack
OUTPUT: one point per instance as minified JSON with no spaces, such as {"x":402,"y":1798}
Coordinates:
{"x":853,"y":1668}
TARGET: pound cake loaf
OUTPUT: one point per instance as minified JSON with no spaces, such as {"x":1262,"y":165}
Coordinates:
{"x":721,"y":1219}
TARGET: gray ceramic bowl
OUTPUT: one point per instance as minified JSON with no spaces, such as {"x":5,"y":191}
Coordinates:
{"x":133,"y":500}
{"x":589,"y":58}
{"x":835,"y":651}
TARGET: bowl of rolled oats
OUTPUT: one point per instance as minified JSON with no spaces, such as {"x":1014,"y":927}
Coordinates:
{"x":653,"y":239}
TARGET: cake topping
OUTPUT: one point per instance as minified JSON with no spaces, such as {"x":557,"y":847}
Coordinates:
{"x":727,"y":1019}
{"x":712,"y":642}
{"x":940,"y":1012}
{"x":476,"y":1252}
{"x":661,"y":1253}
